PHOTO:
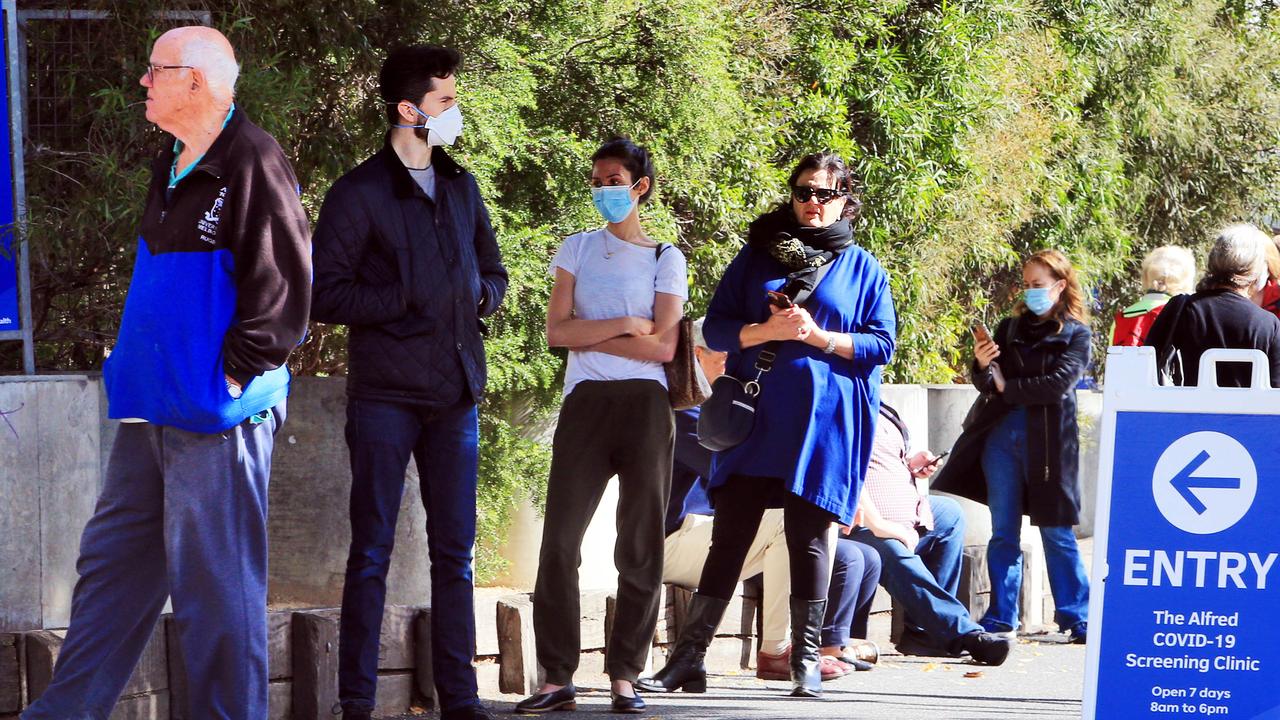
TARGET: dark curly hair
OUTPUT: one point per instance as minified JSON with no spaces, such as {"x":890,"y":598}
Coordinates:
{"x":836,"y":167}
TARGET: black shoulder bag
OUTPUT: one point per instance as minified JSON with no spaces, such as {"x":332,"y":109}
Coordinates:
{"x":728,"y":415}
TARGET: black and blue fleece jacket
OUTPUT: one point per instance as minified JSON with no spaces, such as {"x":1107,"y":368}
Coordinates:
{"x":221,"y":287}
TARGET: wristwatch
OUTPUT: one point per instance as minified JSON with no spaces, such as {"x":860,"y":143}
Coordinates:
{"x":831,"y":344}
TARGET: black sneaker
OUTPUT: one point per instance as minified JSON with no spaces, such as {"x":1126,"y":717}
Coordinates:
{"x":914,"y":642}
{"x":1079,"y":634}
{"x":987,"y":648}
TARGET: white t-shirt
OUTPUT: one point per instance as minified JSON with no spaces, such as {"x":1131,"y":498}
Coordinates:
{"x":614,"y":278}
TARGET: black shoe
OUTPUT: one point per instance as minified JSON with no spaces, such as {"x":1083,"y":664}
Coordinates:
{"x":566,"y":698}
{"x":473,"y":712}
{"x":856,"y":664}
{"x":686,"y":669}
{"x":806,"y":644}
{"x":352,"y":713}
{"x":629,"y":704}
{"x":919,"y":644}
{"x":1079,"y":634}
{"x":986,"y":648}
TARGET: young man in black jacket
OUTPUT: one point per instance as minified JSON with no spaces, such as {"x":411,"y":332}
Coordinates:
{"x":405,"y":257}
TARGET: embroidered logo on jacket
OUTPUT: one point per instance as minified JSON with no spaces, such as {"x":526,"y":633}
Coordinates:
{"x":208,"y":224}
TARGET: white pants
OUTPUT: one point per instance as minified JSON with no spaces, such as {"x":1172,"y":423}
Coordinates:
{"x":686,"y":552}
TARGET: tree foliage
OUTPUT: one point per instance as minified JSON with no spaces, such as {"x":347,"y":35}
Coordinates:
{"x":983,"y":130}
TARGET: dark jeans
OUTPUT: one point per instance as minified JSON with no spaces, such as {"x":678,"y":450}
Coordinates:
{"x":854,"y":578}
{"x":739,"y":505}
{"x":443,"y":441}
{"x":606,"y":428}
{"x":181,"y":515}
{"x":1004,"y":460}
{"x":924,"y":579}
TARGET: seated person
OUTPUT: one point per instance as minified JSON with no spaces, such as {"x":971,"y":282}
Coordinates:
{"x":688,"y":528}
{"x":854,"y":577}
{"x":920,"y":539}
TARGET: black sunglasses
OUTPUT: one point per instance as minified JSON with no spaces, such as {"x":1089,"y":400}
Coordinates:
{"x":803,"y":193}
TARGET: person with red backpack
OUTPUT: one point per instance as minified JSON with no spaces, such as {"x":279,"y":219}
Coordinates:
{"x":1166,"y":271}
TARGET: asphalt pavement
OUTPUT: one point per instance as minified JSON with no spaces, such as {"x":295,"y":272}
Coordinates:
{"x":1043,"y":678}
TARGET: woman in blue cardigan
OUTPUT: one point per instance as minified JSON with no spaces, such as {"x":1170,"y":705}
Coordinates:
{"x":814,"y":422}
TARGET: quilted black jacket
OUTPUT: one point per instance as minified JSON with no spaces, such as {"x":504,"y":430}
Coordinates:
{"x":410,"y":277}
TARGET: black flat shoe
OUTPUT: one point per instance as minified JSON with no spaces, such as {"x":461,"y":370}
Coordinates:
{"x":563,"y":699}
{"x":631,"y":705}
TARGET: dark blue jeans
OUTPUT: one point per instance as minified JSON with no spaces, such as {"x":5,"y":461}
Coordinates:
{"x":443,"y":441}
{"x":180,"y":515}
{"x":1004,"y":460}
{"x":924,"y":579}
{"x":854,"y":577}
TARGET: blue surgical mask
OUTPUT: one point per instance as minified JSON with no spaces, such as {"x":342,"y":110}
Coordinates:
{"x":614,"y":201}
{"x":1038,"y":300}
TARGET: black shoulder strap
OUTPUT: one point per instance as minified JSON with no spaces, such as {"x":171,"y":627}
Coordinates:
{"x":804,"y":295}
{"x":892,"y":416}
{"x":764,"y":361}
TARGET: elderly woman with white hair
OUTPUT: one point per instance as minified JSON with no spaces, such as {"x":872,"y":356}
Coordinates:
{"x":1224,"y":311}
{"x":1166,"y":271}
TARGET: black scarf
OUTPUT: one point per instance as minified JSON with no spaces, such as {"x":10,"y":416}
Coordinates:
{"x":800,"y":248}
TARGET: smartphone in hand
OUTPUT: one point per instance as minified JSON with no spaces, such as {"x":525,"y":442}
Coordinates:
{"x":981,"y":333}
{"x":779,"y":300}
{"x":938,"y":459}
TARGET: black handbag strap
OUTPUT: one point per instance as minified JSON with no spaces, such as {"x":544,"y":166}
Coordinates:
{"x":764,"y":361}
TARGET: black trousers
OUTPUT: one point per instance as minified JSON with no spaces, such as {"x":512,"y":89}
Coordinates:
{"x":606,"y":428}
{"x":740,"y":504}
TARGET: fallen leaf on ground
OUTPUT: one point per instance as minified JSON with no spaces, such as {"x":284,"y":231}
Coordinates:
{"x":973,"y":674}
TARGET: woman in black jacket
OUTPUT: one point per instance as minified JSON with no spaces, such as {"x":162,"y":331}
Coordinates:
{"x":1224,"y":312}
{"x":1019,"y":452}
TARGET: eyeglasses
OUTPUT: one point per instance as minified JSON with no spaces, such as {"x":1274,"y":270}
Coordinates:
{"x":153,"y":69}
{"x":804,"y":193}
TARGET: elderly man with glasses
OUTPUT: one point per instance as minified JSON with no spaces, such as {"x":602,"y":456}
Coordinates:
{"x":219,"y":297}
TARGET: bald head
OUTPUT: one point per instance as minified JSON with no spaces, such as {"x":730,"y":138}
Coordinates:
{"x":209,"y":52}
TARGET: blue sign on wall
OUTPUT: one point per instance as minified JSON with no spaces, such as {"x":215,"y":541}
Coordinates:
{"x":1192,"y":598}
{"x":9,"y":318}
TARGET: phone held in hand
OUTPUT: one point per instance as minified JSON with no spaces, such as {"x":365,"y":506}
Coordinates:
{"x":779,"y":300}
{"x":938,"y":459}
{"x":981,"y":333}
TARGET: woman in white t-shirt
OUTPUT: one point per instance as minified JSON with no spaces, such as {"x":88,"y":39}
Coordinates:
{"x":616,"y":305}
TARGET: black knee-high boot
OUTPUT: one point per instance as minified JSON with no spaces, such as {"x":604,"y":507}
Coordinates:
{"x":686,"y":669}
{"x":806,"y":645}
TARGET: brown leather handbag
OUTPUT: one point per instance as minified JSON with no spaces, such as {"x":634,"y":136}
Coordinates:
{"x":682,"y":372}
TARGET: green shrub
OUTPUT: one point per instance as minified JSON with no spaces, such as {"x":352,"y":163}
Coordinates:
{"x":984,"y":130}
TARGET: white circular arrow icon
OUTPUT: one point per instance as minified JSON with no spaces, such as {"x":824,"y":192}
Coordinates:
{"x":1205,"y":482}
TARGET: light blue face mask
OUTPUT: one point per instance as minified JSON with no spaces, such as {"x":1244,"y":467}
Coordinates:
{"x":614,"y":202}
{"x":1038,"y":300}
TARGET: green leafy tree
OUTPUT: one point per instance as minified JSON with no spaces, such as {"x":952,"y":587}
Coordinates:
{"x":983,"y":130}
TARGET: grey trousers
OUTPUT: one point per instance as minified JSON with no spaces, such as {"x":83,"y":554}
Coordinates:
{"x":180,"y":514}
